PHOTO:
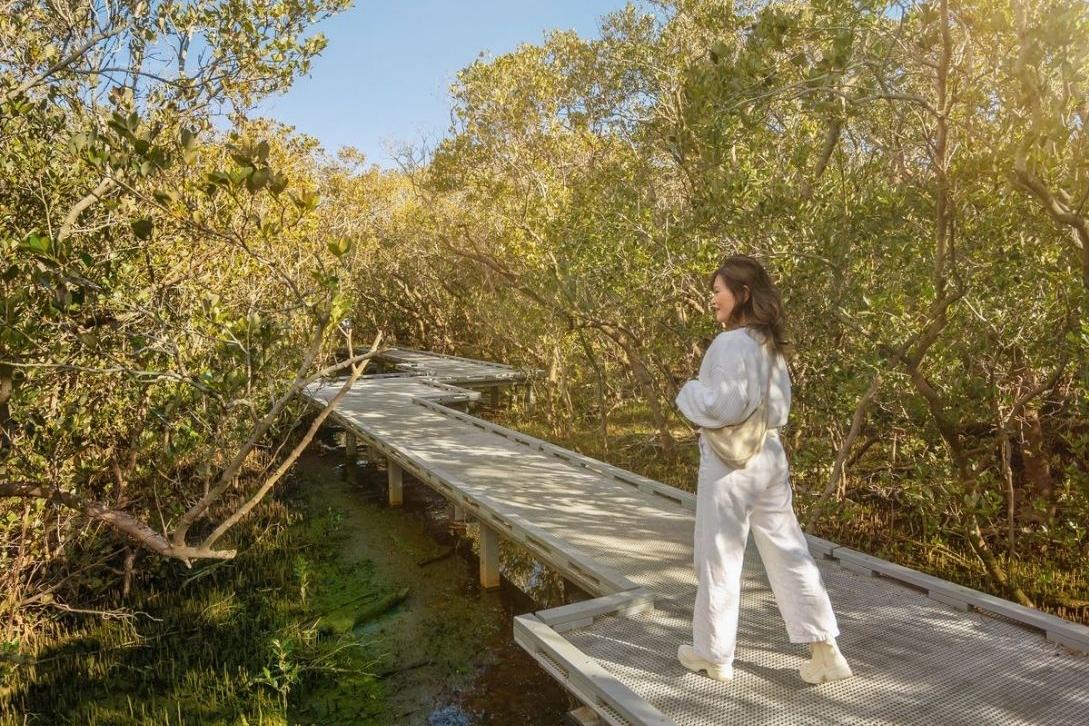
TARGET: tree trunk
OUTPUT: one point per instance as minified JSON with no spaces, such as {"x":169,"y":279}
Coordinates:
{"x":844,"y":450}
{"x":1035,"y":462}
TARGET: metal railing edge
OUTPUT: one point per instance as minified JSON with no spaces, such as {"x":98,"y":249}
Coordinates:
{"x":1057,"y":630}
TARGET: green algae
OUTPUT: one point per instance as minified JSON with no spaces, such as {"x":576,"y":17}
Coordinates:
{"x":421,"y":627}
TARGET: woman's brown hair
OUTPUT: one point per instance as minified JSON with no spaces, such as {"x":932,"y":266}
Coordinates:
{"x":759,"y":303}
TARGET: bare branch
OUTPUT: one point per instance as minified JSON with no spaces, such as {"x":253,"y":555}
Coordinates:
{"x":64,"y":62}
{"x":79,"y":207}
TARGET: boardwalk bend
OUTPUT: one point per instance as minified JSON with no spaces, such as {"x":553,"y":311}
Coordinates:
{"x":924,"y":650}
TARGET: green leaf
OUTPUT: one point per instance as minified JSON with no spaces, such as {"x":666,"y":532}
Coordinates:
{"x":188,"y":139}
{"x":340,"y":246}
{"x":143,"y":228}
{"x":121,"y":129}
{"x":307,"y":201}
{"x":257,"y":180}
{"x":239,"y":175}
{"x":277,"y":183}
{"x":38,"y":244}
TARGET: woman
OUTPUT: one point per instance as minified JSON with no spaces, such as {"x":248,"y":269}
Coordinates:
{"x":730,"y":501}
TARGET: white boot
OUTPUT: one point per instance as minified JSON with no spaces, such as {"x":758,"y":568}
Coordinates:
{"x":827,"y":664}
{"x":718,"y":671}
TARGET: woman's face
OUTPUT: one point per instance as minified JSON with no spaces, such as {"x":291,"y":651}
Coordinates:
{"x":722,"y":300}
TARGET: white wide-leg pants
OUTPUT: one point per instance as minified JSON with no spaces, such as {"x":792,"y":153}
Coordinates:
{"x":728,"y":503}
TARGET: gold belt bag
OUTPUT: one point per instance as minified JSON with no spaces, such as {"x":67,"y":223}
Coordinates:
{"x":736,"y":443}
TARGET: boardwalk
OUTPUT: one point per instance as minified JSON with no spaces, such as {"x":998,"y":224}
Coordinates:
{"x":922,"y":650}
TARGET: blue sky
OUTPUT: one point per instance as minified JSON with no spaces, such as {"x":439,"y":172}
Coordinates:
{"x":385,"y":74}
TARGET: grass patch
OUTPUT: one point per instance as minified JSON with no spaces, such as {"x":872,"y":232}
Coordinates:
{"x":234,"y":642}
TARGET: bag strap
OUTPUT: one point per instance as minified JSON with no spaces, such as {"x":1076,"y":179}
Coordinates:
{"x":767,"y":385}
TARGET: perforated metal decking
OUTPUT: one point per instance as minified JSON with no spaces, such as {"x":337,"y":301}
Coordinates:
{"x":921,"y":651}
{"x":915,"y":660}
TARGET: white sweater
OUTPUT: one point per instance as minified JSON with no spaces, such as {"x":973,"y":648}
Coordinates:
{"x":731,"y":383}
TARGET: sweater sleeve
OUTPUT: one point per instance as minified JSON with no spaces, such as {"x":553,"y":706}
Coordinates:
{"x":724,"y":398}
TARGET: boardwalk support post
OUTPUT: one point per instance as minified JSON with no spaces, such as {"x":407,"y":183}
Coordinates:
{"x":457,"y":514}
{"x":495,"y":396}
{"x":350,"y":444}
{"x":489,"y":557}
{"x":396,"y":480}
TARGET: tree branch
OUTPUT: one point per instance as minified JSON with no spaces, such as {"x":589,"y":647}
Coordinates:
{"x":120,"y":521}
{"x":291,"y":458}
{"x":79,"y":207}
{"x":64,"y":62}
{"x":229,"y":473}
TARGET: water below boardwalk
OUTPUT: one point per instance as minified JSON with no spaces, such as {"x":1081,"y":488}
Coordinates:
{"x":447,"y":655}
